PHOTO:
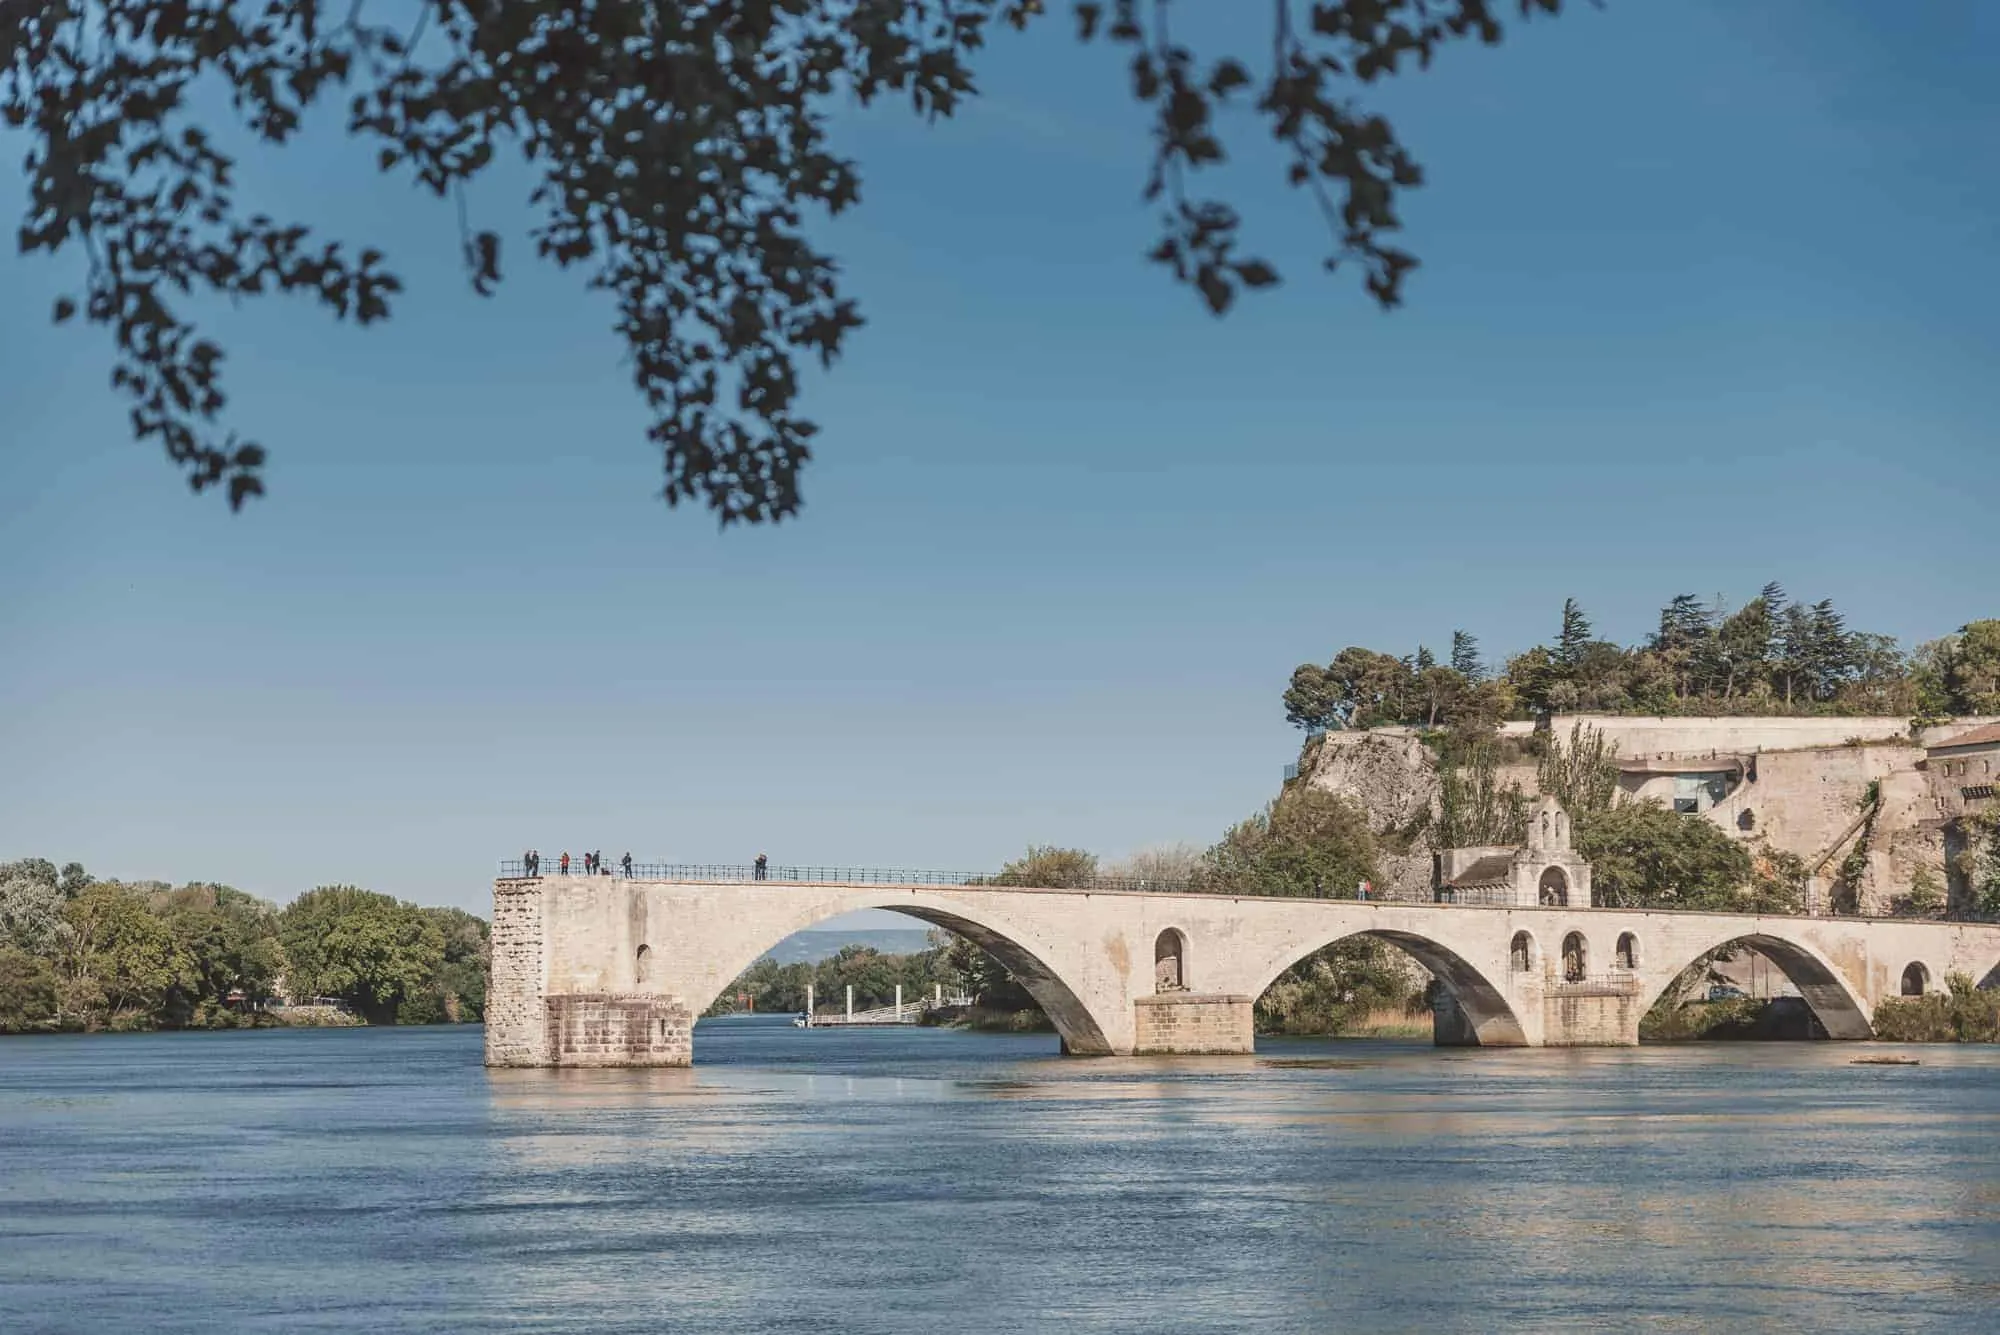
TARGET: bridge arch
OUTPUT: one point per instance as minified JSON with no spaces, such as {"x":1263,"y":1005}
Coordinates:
{"x":1079,"y":1026}
{"x":1492,"y":1020}
{"x":1841,"y":1011}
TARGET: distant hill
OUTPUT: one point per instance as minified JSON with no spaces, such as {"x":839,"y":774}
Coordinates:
{"x":812,"y":947}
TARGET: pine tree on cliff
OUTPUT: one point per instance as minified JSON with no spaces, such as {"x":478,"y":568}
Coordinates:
{"x":1575,"y":637}
{"x":1465,"y":656}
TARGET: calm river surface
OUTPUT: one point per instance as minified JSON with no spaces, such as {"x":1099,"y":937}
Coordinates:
{"x":898,"y":1180}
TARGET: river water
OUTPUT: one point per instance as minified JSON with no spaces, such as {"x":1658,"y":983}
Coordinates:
{"x":940,"y":1182}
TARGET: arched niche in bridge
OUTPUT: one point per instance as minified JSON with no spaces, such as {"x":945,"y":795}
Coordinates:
{"x":642,"y":965}
{"x":1491,"y":1019}
{"x":1078,"y":1027}
{"x":1626,"y":957}
{"x":1170,"y":961}
{"x":1916,"y":979}
{"x":1576,"y":957}
{"x":1521,"y":953}
{"x":1834,"y":1003}
{"x":1554,"y":889}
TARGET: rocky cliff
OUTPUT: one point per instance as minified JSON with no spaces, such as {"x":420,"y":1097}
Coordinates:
{"x":1392,"y":777}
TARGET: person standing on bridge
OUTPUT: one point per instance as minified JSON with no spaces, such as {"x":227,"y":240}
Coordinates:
{"x":563,"y":862}
{"x":760,"y":864}
{"x":626,"y":863}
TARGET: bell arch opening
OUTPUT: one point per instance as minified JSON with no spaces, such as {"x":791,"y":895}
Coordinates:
{"x":1553,"y":890}
{"x":1832,"y":1001}
{"x":1466,"y":1008}
{"x":1170,"y":961}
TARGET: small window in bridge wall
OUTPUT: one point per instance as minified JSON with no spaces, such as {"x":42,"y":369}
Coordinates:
{"x":1170,"y":962}
{"x":1628,"y":951}
{"x":1521,"y":956}
{"x":1916,"y":980}
{"x":1576,"y":958}
{"x":642,"y":966}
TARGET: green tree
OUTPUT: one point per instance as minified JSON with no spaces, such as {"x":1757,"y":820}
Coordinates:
{"x":1540,"y":685}
{"x":1437,"y":693}
{"x":369,"y":950}
{"x":229,"y":941}
{"x":1047,"y":867}
{"x":1371,"y":689}
{"x":1307,"y":842}
{"x":1473,"y":807}
{"x":27,"y":991}
{"x":1645,"y":856}
{"x":1970,"y":669}
{"x":1312,"y":700}
{"x":457,"y":992}
{"x":114,"y":960}
{"x":683,"y":152}
{"x":1465,"y":656}
{"x":1574,"y":636}
{"x":31,"y":904}
{"x":1581,"y":773}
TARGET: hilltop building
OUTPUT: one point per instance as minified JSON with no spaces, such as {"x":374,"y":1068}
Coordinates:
{"x":1865,"y":803}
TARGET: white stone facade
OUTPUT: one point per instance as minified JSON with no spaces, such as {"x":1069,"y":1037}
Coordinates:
{"x":571,"y":985}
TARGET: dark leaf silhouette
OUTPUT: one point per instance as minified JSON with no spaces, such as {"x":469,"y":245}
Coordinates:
{"x":681,"y":151}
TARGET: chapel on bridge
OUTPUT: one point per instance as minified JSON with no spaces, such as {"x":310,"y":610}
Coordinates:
{"x":1544,"y":871}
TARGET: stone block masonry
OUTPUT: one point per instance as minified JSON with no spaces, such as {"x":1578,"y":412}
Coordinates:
{"x":604,"y":971}
{"x":1190,"y":1022}
{"x":517,"y":1000}
{"x":619,"y":1029}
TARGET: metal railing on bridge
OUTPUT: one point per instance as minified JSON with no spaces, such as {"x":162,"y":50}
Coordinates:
{"x":1489,"y":897}
{"x":737,"y":873}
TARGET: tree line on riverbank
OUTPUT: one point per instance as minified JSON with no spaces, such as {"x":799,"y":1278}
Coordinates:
{"x":79,"y":953}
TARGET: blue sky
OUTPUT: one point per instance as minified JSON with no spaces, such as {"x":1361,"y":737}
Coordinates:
{"x":1706,"y":301}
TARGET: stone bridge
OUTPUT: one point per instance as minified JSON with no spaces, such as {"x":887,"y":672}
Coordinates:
{"x":604,"y":971}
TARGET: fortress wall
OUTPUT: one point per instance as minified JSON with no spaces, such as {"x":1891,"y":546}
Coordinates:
{"x":1802,"y":800}
{"x":1651,"y":736}
{"x":1811,"y":779}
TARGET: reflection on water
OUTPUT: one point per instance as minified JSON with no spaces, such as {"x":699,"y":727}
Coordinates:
{"x":893,"y":1180}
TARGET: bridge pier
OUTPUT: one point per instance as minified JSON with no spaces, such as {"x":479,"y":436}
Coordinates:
{"x":1593,"y":1014}
{"x":1172,"y":1023}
